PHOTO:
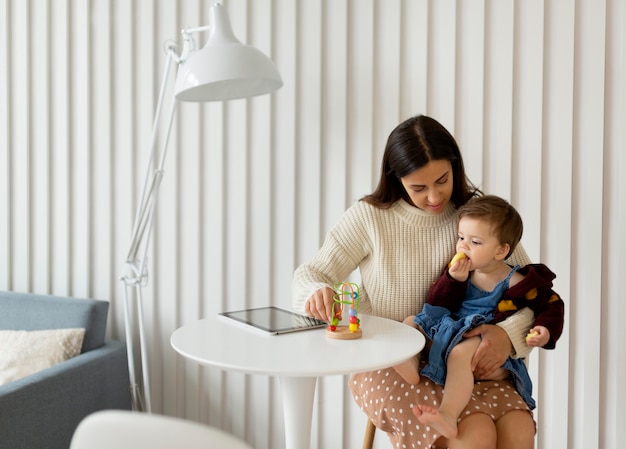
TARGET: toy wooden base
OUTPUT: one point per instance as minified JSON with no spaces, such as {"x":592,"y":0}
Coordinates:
{"x":343,"y":333}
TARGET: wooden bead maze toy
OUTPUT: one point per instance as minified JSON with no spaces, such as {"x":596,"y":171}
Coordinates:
{"x":346,"y":293}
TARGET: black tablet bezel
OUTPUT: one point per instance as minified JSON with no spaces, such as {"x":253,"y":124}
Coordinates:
{"x":245,"y":316}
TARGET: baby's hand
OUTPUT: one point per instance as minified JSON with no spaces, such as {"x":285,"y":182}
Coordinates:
{"x":538,"y":336}
{"x":458,"y":256}
{"x":459,"y":267}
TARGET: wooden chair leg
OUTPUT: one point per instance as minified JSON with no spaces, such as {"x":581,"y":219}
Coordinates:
{"x":370,"y":432}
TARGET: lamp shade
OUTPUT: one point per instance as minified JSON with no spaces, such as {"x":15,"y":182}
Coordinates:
{"x":225,"y":69}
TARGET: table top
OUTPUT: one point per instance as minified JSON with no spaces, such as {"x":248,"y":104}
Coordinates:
{"x":224,"y":343}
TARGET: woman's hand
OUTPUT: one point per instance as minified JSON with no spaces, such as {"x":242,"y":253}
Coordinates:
{"x":495,"y":347}
{"x":320,"y":305}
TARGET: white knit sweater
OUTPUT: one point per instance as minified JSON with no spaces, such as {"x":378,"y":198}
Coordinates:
{"x":399,"y":252}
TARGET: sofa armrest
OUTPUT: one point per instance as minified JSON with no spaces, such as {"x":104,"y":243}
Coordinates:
{"x":43,"y":410}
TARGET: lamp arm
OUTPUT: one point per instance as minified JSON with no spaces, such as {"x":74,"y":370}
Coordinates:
{"x":145,"y":212}
{"x":149,"y":187}
{"x":189,"y":43}
{"x":147,"y":202}
{"x":135,"y":269}
{"x":146,"y":222}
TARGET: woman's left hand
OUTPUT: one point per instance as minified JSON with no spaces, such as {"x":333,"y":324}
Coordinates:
{"x":495,"y":347}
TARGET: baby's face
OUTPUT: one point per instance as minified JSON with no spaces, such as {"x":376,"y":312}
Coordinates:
{"x":479,"y":243}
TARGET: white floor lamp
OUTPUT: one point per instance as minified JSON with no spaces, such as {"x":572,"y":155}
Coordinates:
{"x":223,"y":69}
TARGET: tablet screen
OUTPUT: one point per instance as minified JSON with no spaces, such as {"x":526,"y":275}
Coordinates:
{"x":275,"y":320}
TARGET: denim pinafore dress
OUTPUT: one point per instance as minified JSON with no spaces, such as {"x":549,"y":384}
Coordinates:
{"x":446,"y":329}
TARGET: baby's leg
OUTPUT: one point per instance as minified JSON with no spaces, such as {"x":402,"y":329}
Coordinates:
{"x":457,"y":391}
{"x":409,"y":370}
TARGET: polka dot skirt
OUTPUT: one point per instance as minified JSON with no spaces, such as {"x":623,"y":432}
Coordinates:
{"x":388,"y":401}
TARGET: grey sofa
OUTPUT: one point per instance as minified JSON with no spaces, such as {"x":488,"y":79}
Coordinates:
{"x":42,"y":410}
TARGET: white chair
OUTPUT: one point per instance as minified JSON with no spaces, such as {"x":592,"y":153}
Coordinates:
{"x":134,"y":430}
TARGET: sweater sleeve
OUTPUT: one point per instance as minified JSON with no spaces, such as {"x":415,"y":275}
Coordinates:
{"x":344,"y":247}
{"x":517,"y":326}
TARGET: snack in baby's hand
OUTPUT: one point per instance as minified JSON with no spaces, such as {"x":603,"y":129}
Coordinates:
{"x":456,"y":258}
{"x":531,"y":334}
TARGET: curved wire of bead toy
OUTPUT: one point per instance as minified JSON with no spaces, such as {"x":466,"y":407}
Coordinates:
{"x":346,"y":293}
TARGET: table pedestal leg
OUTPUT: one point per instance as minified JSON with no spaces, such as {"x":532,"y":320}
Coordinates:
{"x":298,"y":394}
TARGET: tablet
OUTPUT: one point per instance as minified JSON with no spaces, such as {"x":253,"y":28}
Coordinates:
{"x":274,"y":320}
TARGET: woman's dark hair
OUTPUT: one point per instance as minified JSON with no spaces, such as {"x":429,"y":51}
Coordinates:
{"x":410,"y":146}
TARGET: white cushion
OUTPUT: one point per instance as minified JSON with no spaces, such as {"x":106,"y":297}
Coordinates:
{"x":26,"y":352}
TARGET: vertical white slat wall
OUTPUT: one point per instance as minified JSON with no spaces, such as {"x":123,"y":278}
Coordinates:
{"x":470,"y":85}
{"x":588,"y":168}
{"x":499,"y":82}
{"x":557,"y":202}
{"x":5,"y":138}
{"x":534,"y":91}
{"x":614,"y":357}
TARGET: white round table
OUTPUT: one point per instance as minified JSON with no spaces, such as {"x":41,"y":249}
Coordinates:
{"x":298,"y":358}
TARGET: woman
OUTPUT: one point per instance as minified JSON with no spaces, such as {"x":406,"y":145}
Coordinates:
{"x":400,"y":238}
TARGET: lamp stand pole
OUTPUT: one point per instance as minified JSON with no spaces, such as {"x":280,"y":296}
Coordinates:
{"x":135,"y":275}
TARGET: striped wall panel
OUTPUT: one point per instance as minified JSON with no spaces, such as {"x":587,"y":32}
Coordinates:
{"x":534,"y":91}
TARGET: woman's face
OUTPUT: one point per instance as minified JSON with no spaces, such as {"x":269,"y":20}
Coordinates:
{"x":430,"y":187}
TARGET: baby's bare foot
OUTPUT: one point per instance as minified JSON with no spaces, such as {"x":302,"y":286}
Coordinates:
{"x":442,"y":423}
